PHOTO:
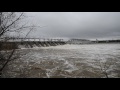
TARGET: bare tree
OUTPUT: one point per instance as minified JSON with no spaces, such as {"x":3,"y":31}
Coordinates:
{"x":10,"y":22}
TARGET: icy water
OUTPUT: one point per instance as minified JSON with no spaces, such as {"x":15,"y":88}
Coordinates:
{"x":67,"y":61}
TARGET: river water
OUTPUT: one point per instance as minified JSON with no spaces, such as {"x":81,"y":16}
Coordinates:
{"x":67,"y":61}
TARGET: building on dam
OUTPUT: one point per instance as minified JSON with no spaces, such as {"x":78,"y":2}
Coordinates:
{"x":79,"y":41}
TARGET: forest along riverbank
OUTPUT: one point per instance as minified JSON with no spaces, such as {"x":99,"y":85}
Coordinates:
{"x":82,"y":61}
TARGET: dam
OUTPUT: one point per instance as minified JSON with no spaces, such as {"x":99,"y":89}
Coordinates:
{"x":18,"y":43}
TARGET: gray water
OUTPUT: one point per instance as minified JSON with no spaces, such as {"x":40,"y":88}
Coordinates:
{"x":67,"y":61}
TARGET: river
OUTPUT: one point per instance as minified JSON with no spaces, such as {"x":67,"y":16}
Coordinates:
{"x":67,"y":61}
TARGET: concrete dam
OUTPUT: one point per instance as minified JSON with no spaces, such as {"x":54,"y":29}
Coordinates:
{"x":19,"y":43}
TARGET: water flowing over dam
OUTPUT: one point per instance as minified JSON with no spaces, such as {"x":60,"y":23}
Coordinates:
{"x":19,"y":43}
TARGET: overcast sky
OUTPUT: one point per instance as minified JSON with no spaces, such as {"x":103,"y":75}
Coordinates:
{"x":88,"y":25}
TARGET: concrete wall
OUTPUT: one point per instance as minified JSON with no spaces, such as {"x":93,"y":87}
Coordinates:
{"x":29,"y":44}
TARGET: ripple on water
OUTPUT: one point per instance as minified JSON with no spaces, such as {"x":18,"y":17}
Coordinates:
{"x":65,"y":61}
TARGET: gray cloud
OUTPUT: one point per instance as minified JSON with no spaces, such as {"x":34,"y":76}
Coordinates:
{"x":76,"y":24}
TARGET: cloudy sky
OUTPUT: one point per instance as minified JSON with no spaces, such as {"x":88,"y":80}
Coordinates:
{"x":88,"y":25}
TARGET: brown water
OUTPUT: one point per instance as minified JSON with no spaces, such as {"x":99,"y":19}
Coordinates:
{"x":67,"y":61}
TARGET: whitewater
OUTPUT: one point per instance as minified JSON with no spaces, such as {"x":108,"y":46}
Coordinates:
{"x":66,"y":61}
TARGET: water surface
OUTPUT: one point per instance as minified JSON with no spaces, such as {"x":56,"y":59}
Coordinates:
{"x":67,"y":61}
